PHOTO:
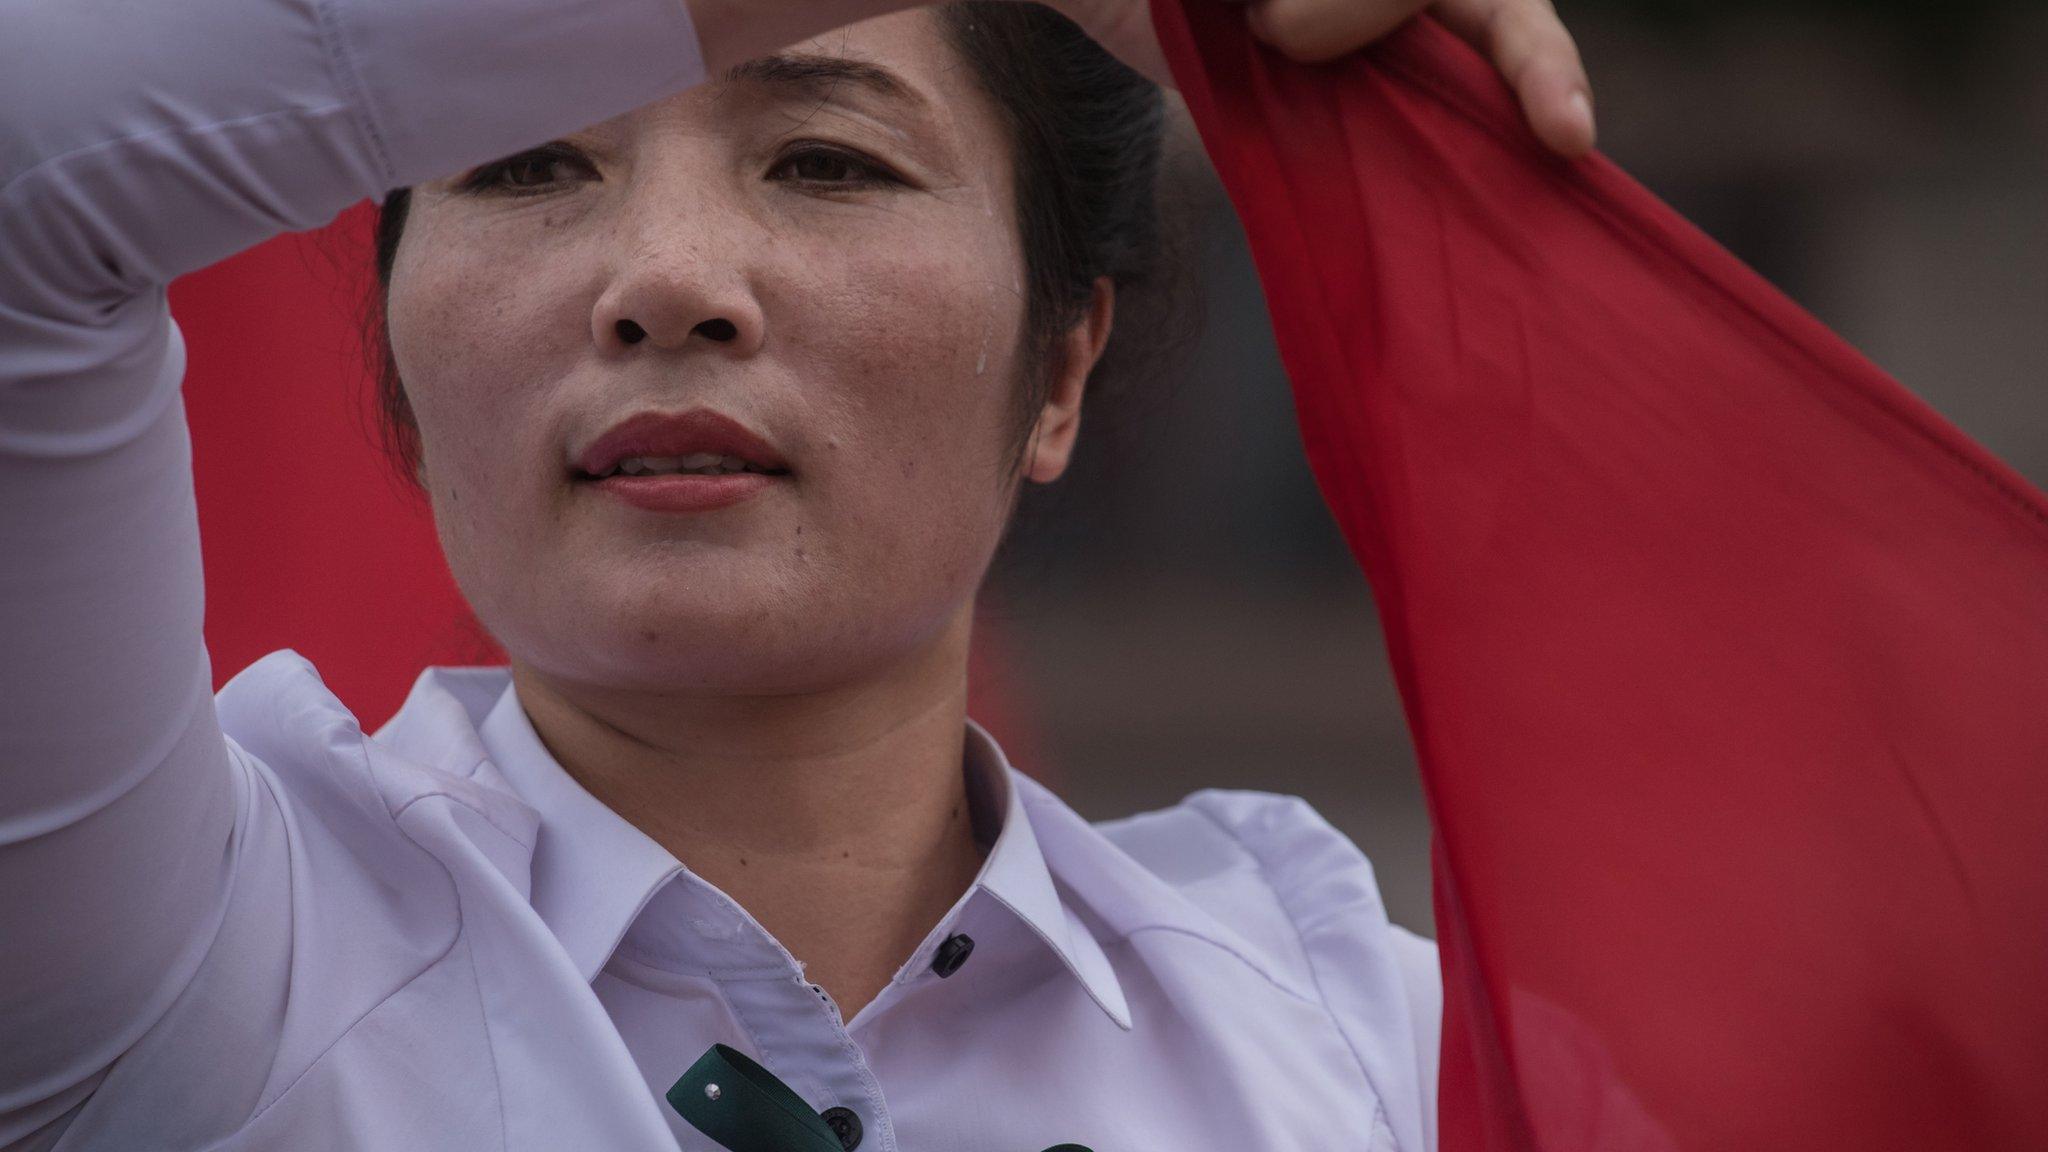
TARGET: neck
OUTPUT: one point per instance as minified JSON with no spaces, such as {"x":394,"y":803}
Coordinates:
{"x":837,"y":818}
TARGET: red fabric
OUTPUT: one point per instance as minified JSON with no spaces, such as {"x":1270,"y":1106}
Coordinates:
{"x":1726,"y":659}
{"x":310,"y":542}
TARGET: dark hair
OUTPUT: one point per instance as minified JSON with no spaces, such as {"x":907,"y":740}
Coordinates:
{"x":1085,"y":133}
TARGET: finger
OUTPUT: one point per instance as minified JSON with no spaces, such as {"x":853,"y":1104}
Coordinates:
{"x":1536,"y":55}
{"x":1317,"y":30}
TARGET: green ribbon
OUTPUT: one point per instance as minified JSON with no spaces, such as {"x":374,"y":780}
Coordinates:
{"x":746,"y":1108}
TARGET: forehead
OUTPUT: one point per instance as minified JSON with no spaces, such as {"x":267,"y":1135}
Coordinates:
{"x":900,"y":69}
{"x":904,"y":56}
{"x":896,"y":82}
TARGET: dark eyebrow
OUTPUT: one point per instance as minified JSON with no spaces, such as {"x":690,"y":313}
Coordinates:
{"x":821,"y":73}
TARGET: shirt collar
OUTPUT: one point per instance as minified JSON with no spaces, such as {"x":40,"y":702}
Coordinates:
{"x":594,"y":873}
{"x":1016,"y":876}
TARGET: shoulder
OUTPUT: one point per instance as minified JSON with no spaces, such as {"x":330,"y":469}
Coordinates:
{"x":416,"y":798}
{"x":280,"y":711}
{"x":1233,"y":850}
{"x":1287,"y":882}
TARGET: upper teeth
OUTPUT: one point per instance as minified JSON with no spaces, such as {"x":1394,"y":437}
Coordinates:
{"x":708,"y":463}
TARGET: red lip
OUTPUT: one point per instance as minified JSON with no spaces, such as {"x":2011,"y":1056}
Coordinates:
{"x":685,"y":493}
{"x":678,"y":434}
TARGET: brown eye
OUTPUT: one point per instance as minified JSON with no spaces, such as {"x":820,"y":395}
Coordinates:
{"x":832,"y":167}
{"x":535,"y":170}
{"x":529,"y":170}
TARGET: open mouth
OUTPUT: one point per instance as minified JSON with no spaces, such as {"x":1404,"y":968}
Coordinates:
{"x":694,"y":461}
{"x":705,"y":482}
{"x":698,"y":464}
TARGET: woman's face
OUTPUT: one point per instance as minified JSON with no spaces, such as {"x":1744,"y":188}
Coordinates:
{"x":845,"y":211}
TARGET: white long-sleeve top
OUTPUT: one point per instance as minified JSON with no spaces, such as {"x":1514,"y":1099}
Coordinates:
{"x":240,"y":922}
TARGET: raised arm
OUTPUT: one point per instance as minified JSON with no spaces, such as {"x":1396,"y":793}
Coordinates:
{"x":139,"y":142}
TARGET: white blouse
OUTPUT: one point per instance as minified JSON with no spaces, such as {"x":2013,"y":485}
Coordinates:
{"x":240,"y":922}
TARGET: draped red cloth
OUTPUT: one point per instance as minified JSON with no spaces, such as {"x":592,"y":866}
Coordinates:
{"x":1725,"y":658}
{"x":310,"y":541}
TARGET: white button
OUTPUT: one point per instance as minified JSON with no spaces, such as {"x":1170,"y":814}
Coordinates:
{"x":711,"y":1091}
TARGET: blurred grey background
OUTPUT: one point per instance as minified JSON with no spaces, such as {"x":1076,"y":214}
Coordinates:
{"x":1179,"y":612}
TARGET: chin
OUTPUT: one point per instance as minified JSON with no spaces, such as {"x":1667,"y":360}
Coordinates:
{"x":724,"y":625}
{"x":725,"y":645}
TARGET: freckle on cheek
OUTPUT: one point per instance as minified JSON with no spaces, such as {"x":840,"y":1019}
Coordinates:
{"x":650,"y":635}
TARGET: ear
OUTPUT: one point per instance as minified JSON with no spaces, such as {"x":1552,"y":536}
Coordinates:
{"x":1059,"y":422}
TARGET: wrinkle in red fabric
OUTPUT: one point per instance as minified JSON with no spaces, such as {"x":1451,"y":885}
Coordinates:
{"x":1725,"y":658}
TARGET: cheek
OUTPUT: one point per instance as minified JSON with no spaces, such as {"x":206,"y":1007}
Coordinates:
{"x":922,"y":342}
{"x":475,"y":347}
{"x":468,"y":328}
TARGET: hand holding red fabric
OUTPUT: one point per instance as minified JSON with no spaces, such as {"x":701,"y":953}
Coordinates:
{"x":1726,"y":658}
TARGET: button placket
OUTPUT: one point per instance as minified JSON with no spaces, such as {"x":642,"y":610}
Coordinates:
{"x":796,"y":1027}
{"x":803,"y":1039}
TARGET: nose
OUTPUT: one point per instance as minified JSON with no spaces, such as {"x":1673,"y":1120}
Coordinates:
{"x":679,"y":280}
{"x":718,"y":330}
